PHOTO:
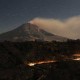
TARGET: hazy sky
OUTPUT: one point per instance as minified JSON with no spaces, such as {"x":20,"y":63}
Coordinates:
{"x":15,"y":12}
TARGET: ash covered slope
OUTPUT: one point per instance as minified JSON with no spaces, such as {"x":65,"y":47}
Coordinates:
{"x":29,"y":32}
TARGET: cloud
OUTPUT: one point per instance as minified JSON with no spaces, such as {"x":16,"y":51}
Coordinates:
{"x":68,"y":28}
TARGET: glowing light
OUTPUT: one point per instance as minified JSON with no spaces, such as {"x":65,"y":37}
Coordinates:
{"x":31,"y":64}
{"x":77,"y":59}
{"x":41,"y":62}
{"x":76,"y":55}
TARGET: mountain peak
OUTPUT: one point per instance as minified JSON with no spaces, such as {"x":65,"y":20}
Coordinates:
{"x":28,"y":27}
{"x":29,"y":32}
{"x":30,"y":22}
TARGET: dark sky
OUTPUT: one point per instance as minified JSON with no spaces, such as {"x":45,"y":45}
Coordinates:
{"x":16,"y":12}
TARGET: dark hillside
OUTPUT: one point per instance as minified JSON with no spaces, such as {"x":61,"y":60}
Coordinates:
{"x":13,"y":56}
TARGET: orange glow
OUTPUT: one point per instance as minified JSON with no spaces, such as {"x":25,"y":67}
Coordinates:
{"x":40,"y":62}
{"x":76,"y":55}
{"x":77,"y":59}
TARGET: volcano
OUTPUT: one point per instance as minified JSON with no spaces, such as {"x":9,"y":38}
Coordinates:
{"x":29,"y":32}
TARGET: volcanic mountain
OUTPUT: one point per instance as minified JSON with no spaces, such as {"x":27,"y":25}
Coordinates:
{"x":29,"y":32}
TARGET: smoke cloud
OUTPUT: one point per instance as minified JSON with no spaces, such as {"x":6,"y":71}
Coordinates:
{"x":68,"y":28}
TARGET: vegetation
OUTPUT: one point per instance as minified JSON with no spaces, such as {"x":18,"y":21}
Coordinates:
{"x":13,"y":56}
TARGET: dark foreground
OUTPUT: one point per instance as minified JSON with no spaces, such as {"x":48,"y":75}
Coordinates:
{"x":14,"y":57}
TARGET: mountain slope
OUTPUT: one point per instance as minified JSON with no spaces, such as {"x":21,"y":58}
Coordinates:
{"x":29,"y":32}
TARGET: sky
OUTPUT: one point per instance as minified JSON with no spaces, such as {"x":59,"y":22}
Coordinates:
{"x":63,"y":12}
